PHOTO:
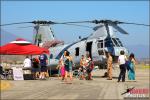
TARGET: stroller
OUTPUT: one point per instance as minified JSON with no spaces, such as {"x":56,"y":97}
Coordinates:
{"x":82,"y":73}
{"x":78,"y":73}
{"x":4,"y":74}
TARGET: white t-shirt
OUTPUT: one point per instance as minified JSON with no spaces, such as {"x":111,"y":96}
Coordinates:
{"x":122,"y":59}
{"x":27,"y":62}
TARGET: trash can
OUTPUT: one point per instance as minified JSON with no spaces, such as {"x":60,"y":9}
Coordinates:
{"x":27,"y":74}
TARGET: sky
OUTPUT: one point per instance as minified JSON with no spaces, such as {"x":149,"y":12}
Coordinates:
{"x":62,"y":11}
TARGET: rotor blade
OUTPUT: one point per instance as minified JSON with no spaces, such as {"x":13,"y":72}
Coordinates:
{"x":63,"y":24}
{"x":132,"y":23}
{"x":26,"y":27}
{"x":119,"y":29}
{"x":76,"y":22}
{"x":77,"y":25}
{"x":15,"y":23}
{"x":31,"y":26}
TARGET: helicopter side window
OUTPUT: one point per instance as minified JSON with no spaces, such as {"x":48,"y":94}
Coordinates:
{"x":51,"y":56}
{"x":77,"y":51}
{"x":100,"y":44}
{"x":100,"y":52}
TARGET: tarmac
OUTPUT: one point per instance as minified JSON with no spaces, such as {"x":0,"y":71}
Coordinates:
{"x":98,"y":88}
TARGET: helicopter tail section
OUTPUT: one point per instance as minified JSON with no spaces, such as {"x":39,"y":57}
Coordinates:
{"x":43,"y":34}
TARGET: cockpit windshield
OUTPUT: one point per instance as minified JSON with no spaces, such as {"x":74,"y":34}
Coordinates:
{"x":113,"y":42}
{"x":119,"y":42}
{"x":109,"y":42}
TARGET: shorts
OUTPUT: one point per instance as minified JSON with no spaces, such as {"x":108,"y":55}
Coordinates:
{"x":43,"y":68}
{"x":68,"y":69}
{"x":34,"y":70}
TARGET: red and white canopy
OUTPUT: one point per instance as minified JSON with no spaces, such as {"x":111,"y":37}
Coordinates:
{"x":21,"y":47}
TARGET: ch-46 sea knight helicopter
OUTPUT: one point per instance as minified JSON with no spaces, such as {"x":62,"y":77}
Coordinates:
{"x":102,"y":40}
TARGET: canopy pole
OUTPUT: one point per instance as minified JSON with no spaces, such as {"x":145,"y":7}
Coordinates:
{"x":50,"y":66}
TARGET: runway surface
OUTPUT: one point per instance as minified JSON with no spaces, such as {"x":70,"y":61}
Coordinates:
{"x":98,"y":88}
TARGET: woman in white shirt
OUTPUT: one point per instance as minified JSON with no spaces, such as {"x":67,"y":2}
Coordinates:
{"x":27,"y":62}
{"x":122,"y":60}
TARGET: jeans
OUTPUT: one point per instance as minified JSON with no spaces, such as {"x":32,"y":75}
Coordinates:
{"x":122,"y":73}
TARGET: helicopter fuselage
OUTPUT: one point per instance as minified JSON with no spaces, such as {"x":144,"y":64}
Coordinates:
{"x":100,"y":41}
{"x":97,"y":49}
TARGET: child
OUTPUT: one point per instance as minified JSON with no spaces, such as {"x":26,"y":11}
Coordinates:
{"x":80,"y":73}
{"x":82,"y":69}
{"x":62,"y":68}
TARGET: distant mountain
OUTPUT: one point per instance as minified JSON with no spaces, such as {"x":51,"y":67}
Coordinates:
{"x":140,"y":51}
{"x":6,"y":37}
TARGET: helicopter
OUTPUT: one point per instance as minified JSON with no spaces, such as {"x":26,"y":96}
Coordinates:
{"x":97,"y":44}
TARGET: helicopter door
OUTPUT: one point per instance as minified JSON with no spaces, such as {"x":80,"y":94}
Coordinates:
{"x":100,"y":46}
{"x":89,"y":48}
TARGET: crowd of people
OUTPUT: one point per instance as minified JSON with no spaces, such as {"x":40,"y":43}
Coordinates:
{"x":86,"y":67}
{"x":125,"y":64}
{"x":65,"y":66}
{"x":38,"y":66}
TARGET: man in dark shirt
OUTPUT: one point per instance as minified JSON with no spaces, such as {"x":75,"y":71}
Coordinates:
{"x":43,"y":63}
{"x":35,"y":68}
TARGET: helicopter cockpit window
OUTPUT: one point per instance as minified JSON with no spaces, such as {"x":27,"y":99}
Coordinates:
{"x":116,"y":42}
{"x":119,"y":42}
{"x":109,"y":43}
